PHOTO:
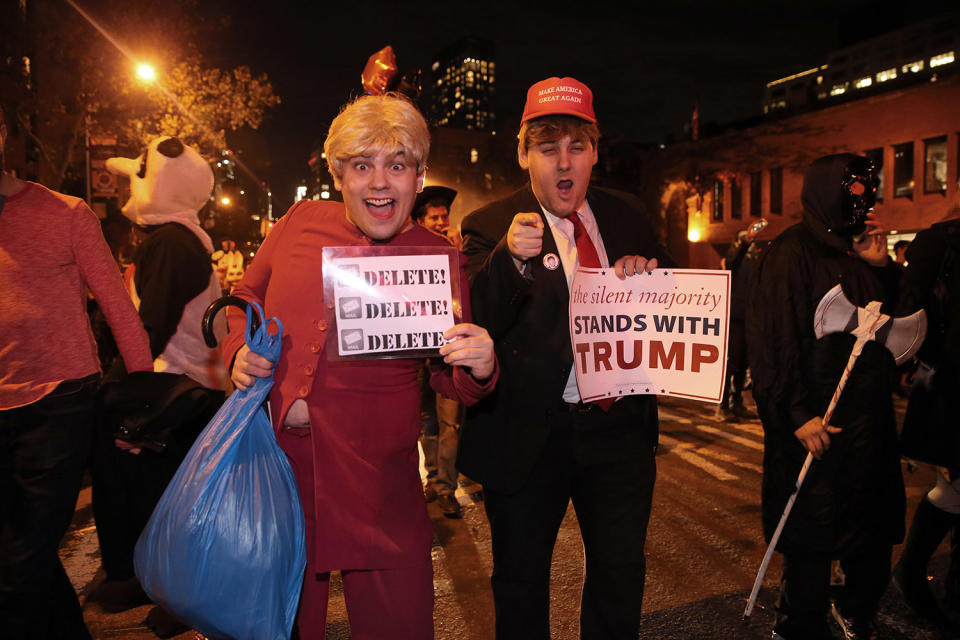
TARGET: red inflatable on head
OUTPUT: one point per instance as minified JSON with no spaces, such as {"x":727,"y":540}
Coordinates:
{"x":381,"y":75}
{"x":380,"y":71}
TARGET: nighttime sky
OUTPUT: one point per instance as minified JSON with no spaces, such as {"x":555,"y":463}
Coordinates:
{"x":647,"y":63}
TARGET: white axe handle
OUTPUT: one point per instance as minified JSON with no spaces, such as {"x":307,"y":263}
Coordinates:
{"x":857,"y":349}
{"x":776,"y":537}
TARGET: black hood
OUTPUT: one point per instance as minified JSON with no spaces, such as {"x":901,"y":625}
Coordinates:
{"x":822,"y":197}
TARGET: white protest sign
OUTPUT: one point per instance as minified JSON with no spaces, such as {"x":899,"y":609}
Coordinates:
{"x":662,"y":332}
{"x":390,"y":305}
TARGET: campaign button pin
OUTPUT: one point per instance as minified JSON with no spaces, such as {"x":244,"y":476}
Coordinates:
{"x":551,"y":261}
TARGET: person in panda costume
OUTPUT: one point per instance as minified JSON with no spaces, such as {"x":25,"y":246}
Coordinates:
{"x":171,"y":282}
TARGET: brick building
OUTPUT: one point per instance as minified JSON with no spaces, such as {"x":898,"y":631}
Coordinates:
{"x":719,"y":185}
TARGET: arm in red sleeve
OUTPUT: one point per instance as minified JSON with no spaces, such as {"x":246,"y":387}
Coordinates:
{"x":100,"y":273}
{"x":457,"y":382}
{"x":252,"y":288}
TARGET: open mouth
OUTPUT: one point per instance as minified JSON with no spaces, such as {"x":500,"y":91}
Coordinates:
{"x":565,"y":187}
{"x":381,"y":208}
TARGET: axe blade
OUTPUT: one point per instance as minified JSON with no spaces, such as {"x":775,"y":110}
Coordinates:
{"x":902,"y":336}
{"x":834,"y":313}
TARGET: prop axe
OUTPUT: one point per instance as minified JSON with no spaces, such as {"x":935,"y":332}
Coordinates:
{"x":836,"y":314}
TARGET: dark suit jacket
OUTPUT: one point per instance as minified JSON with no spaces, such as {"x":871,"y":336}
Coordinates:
{"x":527,"y":317}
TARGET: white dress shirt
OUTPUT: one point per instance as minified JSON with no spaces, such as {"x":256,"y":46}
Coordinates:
{"x":562,"y":230}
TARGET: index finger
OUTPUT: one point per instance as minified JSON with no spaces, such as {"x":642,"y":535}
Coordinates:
{"x":461,"y":330}
{"x":528,"y":219}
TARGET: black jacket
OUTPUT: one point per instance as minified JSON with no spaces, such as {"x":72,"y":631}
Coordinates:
{"x":931,"y":281}
{"x":527,"y":317}
{"x":171,"y":268}
{"x":853,"y":497}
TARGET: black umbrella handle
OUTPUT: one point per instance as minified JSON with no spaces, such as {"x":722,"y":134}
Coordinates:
{"x":206,"y":324}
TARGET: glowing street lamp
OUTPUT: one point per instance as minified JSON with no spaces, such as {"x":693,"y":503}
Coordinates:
{"x":225,"y":201}
{"x":146,"y":72}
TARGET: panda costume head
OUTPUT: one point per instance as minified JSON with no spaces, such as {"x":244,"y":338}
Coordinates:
{"x":169,"y":182}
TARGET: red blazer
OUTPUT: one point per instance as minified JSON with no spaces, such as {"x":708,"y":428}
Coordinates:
{"x":366,"y":495}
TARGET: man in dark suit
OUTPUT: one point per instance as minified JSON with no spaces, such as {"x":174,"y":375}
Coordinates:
{"x":533,"y":443}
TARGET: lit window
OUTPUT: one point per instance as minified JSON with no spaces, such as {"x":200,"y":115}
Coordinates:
{"x":935,"y":165}
{"x":888,"y":74}
{"x":474,"y":156}
{"x":717,"y":199}
{"x":942,"y":59}
{"x":838,"y":89}
{"x":863,"y":83}
{"x":912,"y":67}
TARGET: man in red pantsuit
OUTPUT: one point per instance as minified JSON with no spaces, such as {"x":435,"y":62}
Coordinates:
{"x":350,"y":429}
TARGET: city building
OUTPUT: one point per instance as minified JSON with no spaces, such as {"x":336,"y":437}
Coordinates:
{"x":714,"y":187}
{"x":914,"y":54}
{"x":462,"y":86}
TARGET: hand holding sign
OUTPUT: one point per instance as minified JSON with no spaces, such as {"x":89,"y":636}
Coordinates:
{"x":525,"y":236}
{"x":632,"y":265}
{"x":470,"y":346}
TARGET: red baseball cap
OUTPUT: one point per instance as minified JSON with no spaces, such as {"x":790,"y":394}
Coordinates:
{"x":559,"y":96}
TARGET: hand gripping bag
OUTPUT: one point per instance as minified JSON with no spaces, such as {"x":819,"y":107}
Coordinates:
{"x":224,"y":549}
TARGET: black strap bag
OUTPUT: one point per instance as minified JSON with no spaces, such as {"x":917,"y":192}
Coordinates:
{"x":146,"y":408}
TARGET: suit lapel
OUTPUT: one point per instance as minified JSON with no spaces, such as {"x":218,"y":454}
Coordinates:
{"x":554,"y":280}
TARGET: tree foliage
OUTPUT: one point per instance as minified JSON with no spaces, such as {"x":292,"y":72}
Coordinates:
{"x":197,"y":103}
{"x":78,"y":79}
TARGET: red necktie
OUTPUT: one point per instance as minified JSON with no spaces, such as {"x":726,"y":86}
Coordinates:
{"x":586,"y":252}
{"x":587,"y":255}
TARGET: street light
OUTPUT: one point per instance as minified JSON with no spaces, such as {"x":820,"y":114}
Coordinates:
{"x":225,"y":201}
{"x":146,"y":72}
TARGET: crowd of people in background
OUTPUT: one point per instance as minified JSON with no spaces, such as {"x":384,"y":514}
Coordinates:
{"x":499,"y":402}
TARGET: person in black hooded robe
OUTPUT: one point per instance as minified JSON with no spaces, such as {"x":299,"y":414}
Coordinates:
{"x":852,"y":505}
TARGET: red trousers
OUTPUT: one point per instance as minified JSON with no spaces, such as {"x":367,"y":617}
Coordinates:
{"x":382,"y":604}
{"x":385,"y":604}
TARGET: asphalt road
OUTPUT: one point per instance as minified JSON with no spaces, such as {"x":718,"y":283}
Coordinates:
{"x":703,"y":550}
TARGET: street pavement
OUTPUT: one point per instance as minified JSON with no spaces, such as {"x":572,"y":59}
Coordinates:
{"x":703,"y":549}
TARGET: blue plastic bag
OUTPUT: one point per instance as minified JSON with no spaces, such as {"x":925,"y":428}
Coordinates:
{"x":224,"y":549}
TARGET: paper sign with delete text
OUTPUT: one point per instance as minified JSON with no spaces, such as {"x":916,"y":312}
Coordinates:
{"x":390,"y":302}
{"x":662,"y":332}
